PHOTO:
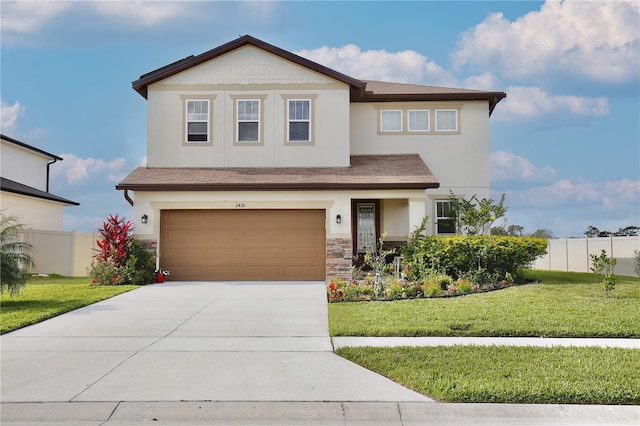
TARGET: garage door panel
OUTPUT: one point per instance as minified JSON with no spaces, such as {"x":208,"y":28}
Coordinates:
{"x":243,"y":244}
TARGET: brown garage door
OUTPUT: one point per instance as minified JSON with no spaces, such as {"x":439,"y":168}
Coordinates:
{"x":243,"y":245}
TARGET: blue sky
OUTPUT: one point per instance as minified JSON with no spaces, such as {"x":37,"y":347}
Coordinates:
{"x":565,"y":144}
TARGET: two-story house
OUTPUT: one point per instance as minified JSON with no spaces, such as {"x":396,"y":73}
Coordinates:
{"x":24,"y":189}
{"x":263,"y":165}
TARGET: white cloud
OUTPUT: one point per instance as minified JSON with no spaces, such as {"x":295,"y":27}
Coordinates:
{"x":76,"y":169}
{"x":621,"y":194}
{"x":531,"y":102}
{"x":9,"y":115}
{"x":406,"y":66}
{"x":508,"y":167}
{"x":29,"y":16}
{"x":146,"y":13}
{"x":597,"y":40}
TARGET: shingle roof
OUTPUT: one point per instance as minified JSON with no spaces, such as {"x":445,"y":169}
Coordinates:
{"x":361,"y":90}
{"x":385,"y":91}
{"x":406,"y":171}
{"x":9,"y":185}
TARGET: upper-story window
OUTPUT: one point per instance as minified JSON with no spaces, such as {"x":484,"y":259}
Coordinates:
{"x":418,"y":120}
{"x":446,"y":120}
{"x":299,"y":120}
{"x":391,"y":120}
{"x":248,"y":120}
{"x":197,"y":120}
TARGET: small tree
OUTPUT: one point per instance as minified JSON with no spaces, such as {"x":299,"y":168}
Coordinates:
{"x":475,"y":216}
{"x":14,"y":256}
{"x":602,"y":265}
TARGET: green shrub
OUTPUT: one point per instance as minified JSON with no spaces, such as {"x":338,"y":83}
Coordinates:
{"x":464,"y":286}
{"x":431,"y":288}
{"x":394,"y":289}
{"x":105,"y":273}
{"x":140,"y":265}
{"x":487,"y":257}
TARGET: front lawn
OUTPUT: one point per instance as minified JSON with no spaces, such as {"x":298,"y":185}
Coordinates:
{"x":562,"y":304}
{"x":47,"y":297}
{"x":497,"y":374}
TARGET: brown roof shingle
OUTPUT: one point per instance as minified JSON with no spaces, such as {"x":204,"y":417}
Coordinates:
{"x":405,"y":171}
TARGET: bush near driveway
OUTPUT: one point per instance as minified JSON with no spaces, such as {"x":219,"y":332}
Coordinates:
{"x":47,"y":297}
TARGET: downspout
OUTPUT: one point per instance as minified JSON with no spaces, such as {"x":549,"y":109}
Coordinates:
{"x":48,"y":165}
{"x":126,"y":197}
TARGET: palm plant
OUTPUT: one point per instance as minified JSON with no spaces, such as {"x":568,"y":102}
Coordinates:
{"x":14,"y":256}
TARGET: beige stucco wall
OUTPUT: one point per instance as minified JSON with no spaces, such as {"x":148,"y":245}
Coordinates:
{"x":23,"y":165}
{"x":398,"y":213}
{"x":32,"y":212}
{"x":249,"y":72}
{"x":457,"y":160}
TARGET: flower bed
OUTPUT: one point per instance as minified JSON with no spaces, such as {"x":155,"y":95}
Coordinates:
{"x":374,"y":287}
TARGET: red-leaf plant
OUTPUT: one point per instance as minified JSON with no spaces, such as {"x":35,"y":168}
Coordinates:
{"x":116,"y":239}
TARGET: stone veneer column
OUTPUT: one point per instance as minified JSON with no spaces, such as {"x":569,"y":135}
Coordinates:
{"x":339,"y":254}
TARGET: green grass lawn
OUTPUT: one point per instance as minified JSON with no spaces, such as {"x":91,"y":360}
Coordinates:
{"x":47,"y":297}
{"x":493,"y":374}
{"x":562,"y":304}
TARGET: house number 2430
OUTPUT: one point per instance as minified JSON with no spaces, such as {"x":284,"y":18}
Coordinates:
{"x":240,"y":205}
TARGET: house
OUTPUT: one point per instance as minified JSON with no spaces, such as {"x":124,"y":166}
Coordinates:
{"x":263,"y":165}
{"x":24,"y":189}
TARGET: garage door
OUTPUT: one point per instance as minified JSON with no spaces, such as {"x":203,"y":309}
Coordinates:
{"x":243,"y":245}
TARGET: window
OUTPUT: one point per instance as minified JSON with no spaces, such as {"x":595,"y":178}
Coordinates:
{"x":391,"y":120}
{"x":248,"y":120}
{"x":444,"y":223}
{"x":299,"y":127}
{"x":418,"y":120}
{"x":197,"y":128}
{"x":446,"y":120}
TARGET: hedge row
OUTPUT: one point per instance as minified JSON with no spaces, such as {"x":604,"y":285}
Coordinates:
{"x":491,"y":257}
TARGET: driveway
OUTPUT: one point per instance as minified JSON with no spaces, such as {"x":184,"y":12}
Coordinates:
{"x":191,"y":341}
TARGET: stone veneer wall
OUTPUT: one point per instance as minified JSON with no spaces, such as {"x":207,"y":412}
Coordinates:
{"x":339,"y":257}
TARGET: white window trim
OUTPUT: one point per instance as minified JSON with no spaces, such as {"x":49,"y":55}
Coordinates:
{"x":447,"y":110}
{"x":382,"y":111}
{"x":409,"y":129}
{"x":289,"y":121}
{"x":238,"y":121}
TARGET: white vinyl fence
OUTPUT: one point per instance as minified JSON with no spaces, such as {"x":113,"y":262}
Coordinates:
{"x":61,"y":252}
{"x":572,"y":254}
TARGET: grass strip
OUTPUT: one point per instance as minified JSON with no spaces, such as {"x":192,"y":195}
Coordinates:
{"x":561,"y":304}
{"x":47,"y":297}
{"x":499,"y":374}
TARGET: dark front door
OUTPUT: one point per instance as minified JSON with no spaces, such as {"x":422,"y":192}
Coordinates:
{"x":366,"y":226}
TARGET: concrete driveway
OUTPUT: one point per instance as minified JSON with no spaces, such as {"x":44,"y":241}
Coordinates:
{"x":191,"y":341}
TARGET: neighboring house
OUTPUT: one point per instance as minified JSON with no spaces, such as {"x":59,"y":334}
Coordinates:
{"x":24,"y":189}
{"x":263,"y":165}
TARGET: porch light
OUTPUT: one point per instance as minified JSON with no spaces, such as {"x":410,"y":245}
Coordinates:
{"x":144,"y":218}
{"x":338,"y":219}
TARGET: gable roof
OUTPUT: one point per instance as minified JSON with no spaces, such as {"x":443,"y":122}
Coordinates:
{"x":14,"y":187}
{"x":361,"y":90}
{"x":403,"y":171}
{"x":29,"y":147}
{"x":145,"y":80}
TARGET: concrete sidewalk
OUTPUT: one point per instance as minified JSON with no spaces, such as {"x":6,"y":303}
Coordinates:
{"x":221,"y":353}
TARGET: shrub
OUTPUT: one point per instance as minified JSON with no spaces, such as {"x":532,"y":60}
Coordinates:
{"x":394,"y":289}
{"x":488,"y":257}
{"x":105,"y":273}
{"x":431,"y":288}
{"x":464,"y":286}
{"x":14,"y":255}
{"x":140,"y":264}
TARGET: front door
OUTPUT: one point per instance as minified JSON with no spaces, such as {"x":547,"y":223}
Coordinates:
{"x":366,"y":225}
